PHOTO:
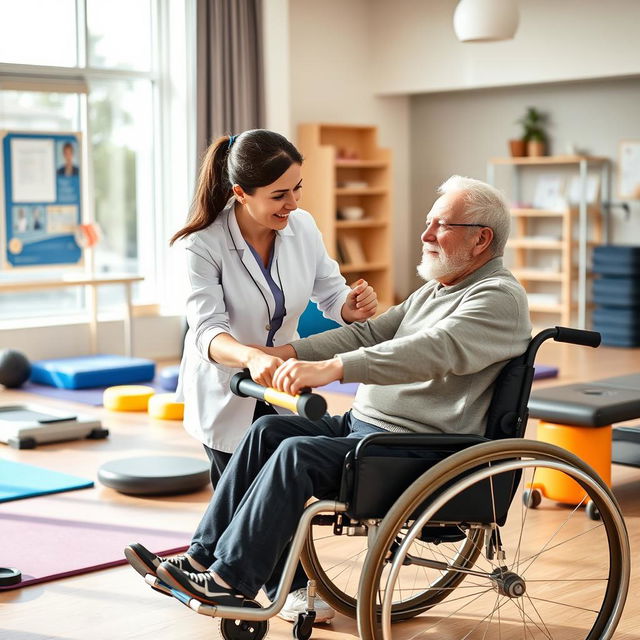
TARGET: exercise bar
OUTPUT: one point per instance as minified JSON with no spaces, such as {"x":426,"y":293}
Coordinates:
{"x":308,"y":405}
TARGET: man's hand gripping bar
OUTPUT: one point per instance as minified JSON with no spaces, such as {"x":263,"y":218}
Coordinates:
{"x":308,"y":405}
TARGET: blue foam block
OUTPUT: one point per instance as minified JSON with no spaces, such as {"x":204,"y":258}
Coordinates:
{"x":168,"y":378}
{"x":92,"y":371}
{"x":19,"y":480}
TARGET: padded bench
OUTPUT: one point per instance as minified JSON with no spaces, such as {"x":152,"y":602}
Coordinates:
{"x":568,"y":411}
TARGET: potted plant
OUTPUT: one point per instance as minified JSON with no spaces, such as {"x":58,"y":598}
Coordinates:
{"x":534,"y":135}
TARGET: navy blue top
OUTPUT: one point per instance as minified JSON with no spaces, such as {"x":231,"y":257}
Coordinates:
{"x":279,"y":312}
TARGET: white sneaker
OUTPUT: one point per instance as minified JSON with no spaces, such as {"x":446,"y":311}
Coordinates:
{"x":296,"y":603}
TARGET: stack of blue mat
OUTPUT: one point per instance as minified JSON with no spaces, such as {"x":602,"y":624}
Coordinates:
{"x":616,"y":294}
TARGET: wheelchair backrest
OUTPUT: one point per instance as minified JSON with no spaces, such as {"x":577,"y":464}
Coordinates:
{"x":507,"y":415}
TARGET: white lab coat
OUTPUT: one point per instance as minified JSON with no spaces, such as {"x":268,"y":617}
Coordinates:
{"x":225,"y":299}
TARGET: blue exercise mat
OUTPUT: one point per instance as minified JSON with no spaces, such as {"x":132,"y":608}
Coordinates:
{"x":85,"y":372}
{"x":19,"y":480}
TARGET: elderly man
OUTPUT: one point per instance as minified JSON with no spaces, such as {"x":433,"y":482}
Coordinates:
{"x":427,"y":366}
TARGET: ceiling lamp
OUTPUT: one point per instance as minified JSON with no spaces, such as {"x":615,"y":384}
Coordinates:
{"x":485,"y":20}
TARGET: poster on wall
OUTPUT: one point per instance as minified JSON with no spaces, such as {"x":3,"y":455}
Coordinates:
{"x":629,"y":170}
{"x":41,"y":176}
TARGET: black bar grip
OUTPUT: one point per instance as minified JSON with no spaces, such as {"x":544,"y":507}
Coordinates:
{"x":578,"y":336}
{"x":308,"y":405}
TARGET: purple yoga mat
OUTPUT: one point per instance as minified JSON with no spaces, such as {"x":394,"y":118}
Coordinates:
{"x":50,"y":548}
{"x":91,"y":396}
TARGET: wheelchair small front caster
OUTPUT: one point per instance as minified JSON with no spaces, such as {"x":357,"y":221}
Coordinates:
{"x":592,"y":511}
{"x":303,"y":626}
{"x":244,"y":629}
{"x":531,"y":498}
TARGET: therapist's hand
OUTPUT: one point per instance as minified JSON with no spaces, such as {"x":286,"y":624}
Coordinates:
{"x":262,"y":367}
{"x":361,"y":303}
{"x":295,"y":375}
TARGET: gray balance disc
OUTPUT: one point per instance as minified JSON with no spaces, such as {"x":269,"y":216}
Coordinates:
{"x":155,"y":475}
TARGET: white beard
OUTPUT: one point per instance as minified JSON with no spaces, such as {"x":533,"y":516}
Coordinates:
{"x":438,"y":266}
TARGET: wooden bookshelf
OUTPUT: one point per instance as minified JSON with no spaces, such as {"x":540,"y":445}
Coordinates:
{"x":576,"y":229}
{"x":327,"y":174}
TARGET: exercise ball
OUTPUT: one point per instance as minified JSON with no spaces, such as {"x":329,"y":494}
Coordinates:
{"x":15,"y":368}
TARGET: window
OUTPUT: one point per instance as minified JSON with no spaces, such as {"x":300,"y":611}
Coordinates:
{"x":118,"y":72}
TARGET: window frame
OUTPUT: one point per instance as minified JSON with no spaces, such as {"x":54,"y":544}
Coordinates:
{"x":168,"y":194}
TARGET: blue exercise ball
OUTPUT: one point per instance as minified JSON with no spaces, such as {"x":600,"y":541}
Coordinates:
{"x":15,"y":368}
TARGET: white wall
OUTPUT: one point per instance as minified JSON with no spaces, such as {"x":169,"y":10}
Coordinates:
{"x":416,"y":50}
{"x":457,"y":132}
{"x":154,"y":337}
{"x":276,"y":63}
{"x":332,"y":80}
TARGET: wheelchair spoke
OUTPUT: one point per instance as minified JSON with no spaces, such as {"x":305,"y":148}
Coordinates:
{"x":565,"y":604}
{"x":525,"y":616}
{"x":533,"y":606}
{"x":524,"y":510}
{"x":347,"y":562}
{"x":546,"y":549}
{"x":555,"y":533}
{"x":453,"y":613}
{"x":484,"y":635}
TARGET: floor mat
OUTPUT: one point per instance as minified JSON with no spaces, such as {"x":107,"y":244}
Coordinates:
{"x":50,"y":548}
{"x":18,"y":480}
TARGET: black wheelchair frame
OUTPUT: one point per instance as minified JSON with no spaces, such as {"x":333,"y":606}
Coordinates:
{"x":443,"y":522}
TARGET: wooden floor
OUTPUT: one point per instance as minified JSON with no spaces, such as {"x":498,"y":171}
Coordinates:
{"x":115,"y":604}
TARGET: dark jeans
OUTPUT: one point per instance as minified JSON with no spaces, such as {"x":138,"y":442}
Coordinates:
{"x":281,"y":462}
{"x":220,"y":459}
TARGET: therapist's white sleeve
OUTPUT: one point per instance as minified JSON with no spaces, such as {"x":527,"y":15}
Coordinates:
{"x":206,"y":310}
{"x":330,"y":289}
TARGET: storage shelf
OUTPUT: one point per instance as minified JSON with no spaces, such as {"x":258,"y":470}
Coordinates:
{"x":546,"y":308}
{"x":363,"y":246}
{"x":533,"y":243}
{"x":361,"y":191}
{"x":363,"y":266}
{"x":360,"y":164}
{"x":592,"y":209}
{"x":537,"y":213}
{"x":360,"y":224}
{"x":538,"y":275}
{"x":564,"y":232}
{"x":550,"y":160}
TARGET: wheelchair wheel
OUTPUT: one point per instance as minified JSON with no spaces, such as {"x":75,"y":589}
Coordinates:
{"x":337,"y":568}
{"x":545,"y":573}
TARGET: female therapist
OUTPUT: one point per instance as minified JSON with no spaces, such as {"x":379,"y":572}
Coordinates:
{"x":254,"y":262}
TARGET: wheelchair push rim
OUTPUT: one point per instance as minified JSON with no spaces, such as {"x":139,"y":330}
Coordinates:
{"x":593,"y":595}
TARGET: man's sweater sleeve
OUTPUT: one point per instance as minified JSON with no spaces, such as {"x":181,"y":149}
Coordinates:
{"x":323,"y":346}
{"x":487,"y":327}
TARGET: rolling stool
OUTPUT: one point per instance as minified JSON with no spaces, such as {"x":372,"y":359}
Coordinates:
{"x":578,"y":417}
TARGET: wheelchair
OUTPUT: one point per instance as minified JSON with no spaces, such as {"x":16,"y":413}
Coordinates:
{"x":452,"y":543}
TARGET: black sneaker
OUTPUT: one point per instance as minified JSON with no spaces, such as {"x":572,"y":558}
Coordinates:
{"x":200,"y":585}
{"x":144,"y":562}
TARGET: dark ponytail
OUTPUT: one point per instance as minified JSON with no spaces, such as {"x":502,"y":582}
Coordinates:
{"x":254,"y":159}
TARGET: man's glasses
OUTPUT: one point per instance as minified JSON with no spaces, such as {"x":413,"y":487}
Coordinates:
{"x":443,"y":224}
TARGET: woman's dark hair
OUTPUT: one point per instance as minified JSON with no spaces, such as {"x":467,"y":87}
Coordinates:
{"x":254,"y":159}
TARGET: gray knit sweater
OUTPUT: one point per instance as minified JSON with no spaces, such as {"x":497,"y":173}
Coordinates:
{"x":428,"y":364}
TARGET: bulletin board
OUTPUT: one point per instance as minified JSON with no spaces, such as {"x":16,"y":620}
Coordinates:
{"x":41,"y":198}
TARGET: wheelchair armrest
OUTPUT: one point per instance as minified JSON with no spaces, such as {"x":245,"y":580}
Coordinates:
{"x":432,"y":441}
